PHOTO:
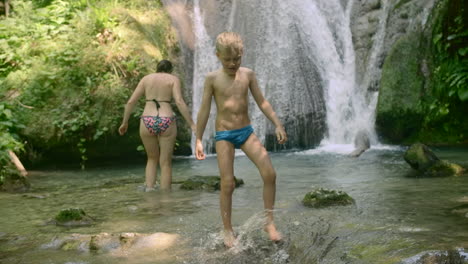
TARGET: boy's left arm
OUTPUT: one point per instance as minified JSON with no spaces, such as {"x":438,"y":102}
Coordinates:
{"x":266,"y":108}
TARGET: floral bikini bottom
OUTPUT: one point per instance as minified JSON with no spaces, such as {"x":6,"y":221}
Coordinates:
{"x":157,"y":125}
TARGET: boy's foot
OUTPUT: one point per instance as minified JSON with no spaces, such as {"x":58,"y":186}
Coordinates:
{"x":274,"y":235}
{"x":229,"y":238}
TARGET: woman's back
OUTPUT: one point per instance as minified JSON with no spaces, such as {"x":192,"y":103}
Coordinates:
{"x":158,"y":86}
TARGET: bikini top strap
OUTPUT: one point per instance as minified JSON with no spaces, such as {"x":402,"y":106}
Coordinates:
{"x":157,"y":103}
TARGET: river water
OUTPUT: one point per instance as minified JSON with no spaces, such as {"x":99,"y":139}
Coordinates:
{"x":396,"y":216}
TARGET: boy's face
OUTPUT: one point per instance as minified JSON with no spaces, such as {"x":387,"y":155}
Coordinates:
{"x":230,"y":59}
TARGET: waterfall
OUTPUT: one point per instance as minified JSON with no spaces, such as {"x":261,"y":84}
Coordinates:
{"x":303,"y":56}
{"x":204,"y":61}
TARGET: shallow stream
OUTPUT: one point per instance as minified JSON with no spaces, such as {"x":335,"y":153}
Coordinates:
{"x":396,"y":216}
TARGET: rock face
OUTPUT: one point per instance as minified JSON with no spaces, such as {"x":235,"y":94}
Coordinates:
{"x":206,"y":183}
{"x":323,"y":197}
{"x":422,"y":159}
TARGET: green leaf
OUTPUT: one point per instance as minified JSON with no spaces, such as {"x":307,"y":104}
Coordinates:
{"x":463,"y":51}
{"x":463,"y":94}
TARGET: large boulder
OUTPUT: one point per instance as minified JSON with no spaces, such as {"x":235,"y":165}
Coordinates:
{"x":324,"y":197}
{"x":206,"y":183}
{"x":420,"y":157}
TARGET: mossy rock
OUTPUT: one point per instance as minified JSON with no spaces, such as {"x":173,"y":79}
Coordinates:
{"x":398,"y":114}
{"x":324,"y":197}
{"x":444,"y":168}
{"x":73,"y":217}
{"x":206,"y":183}
{"x":420,"y":157}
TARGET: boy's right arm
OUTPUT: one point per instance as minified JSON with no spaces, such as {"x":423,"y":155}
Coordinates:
{"x":203,"y":115}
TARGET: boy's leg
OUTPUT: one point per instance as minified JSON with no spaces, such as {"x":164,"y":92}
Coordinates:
{"x":225,"y":154}
{"x":257,"y":153}
{"x":166,"y":143}
{"x":150,"y":142}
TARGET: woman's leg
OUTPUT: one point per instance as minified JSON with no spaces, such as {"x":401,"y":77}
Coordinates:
{"x":166,"y":143}
{"x":150,"y":142}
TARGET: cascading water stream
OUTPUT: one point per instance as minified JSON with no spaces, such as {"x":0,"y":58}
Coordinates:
{"x":204,"y":61}
{"x":303,"y":56}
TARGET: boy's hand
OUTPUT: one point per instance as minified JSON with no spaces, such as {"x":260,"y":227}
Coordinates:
{"x":123,"y":129}
{"x":199,"y":154}
{"x":281,"y":135}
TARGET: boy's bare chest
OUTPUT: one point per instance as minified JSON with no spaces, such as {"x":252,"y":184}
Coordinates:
{"x":231,"y":88}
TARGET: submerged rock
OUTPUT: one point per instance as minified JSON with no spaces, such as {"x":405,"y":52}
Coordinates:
{"x":72,"y":217}
{"x":422,"y":159}
{"x":324,"y":197}
{"x":117,"y":244}
{"x":444,"y":168}
{"x":206,"y":183}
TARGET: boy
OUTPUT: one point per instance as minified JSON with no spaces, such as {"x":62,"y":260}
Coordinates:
{"x":230,"y":86}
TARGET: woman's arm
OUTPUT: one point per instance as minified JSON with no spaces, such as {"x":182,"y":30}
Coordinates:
{"x":139,"y":91}
{"x":179,"y":100}
{"x":266,"y":108}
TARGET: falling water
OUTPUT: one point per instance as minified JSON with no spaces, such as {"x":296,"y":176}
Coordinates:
{"x":204,"y":62}
{"x":303,"y":56}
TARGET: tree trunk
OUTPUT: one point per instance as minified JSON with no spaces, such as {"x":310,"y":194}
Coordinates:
{"x":7,"y":7}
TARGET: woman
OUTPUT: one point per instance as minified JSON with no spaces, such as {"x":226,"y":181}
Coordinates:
{"x":158,"y":128}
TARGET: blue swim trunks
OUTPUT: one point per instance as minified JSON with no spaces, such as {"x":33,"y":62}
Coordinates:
{"x":237,"y":136}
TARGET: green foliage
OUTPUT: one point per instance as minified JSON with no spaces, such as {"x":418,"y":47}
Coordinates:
{"x":9,"y":139}
{"x":74,"y":63}
{"x":446,"y":107}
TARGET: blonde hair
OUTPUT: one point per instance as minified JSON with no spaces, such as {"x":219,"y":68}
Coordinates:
{"x":229,"y":40}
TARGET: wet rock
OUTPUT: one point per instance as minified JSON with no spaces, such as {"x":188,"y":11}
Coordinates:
{"x":444,"y":168}
{"x":117,"y":244}
{"x":445,"y":257}
{"x":422,"y":159}
{"x":324,"y":197}
{"x":206,"y":183}
{"x":72,"y":217}
{"x":361,"y":143}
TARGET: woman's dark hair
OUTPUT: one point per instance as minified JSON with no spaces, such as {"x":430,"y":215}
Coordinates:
{"x":164,"y":66}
